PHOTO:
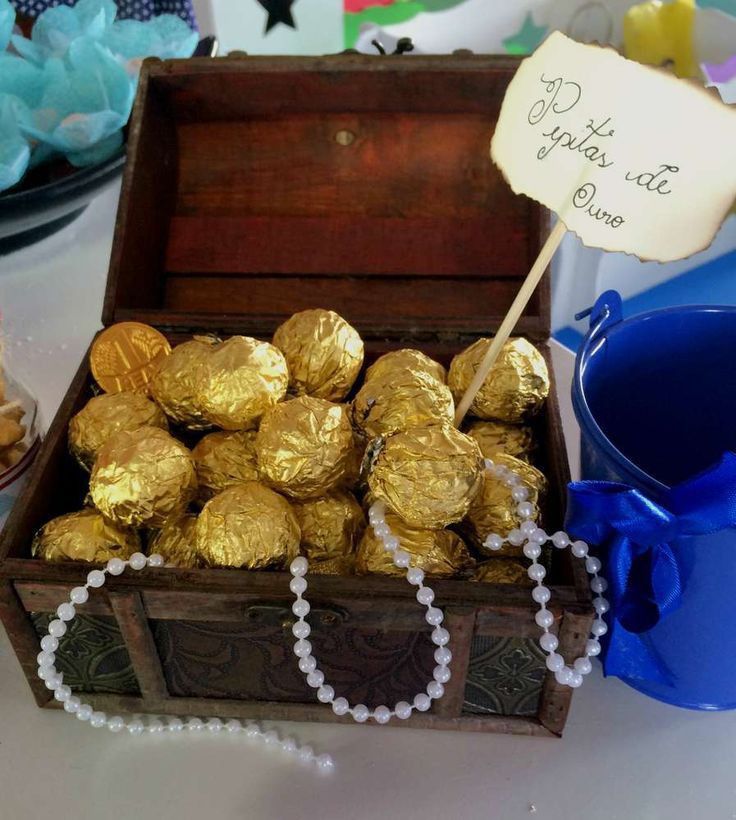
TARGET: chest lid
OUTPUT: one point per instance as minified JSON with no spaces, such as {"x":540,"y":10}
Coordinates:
{"x":259,"y":186}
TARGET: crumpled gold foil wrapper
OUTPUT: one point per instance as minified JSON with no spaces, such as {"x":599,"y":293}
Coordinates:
{"x":339,"y":565}
{"x":84,"y":536}
{"x":427,"y":475}
{"x":440,"y":553}
{"x":247,"y":526}
{"x":224,"y":459}
{"x":406,"y":359}
{"x":323,"y":351}
{"x":502,"y":571}
{"x":241,"y":379}
{"x":143,"y":477}
{"x":107,"y":414}
{"x":305,"y":447}
{"x":516,"y":387}
{"x":331,"y":526}
{"x":400,"y":400}
{"x":494,"y":510}
{"x":177,"y":383}
{"x":175,"y":542}
{"x":498,"y":437}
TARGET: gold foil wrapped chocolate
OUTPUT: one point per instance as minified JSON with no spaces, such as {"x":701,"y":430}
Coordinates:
{"x":142,"y":477}
{"x":440,"y":553}
{"x":331,"y":526}
{"x":224,"y":459}
{"x":406,"y":359}
{"x":107,"y":414}
{"x":516,"y":387}
{"x":427,"y":475}
{"x":305,"y":447}
{"x":502,"y":571}
{"x":241,"y":379}
{"x":494,"y":510}
{"x":498,"y":437}
{"x":323,"y":351}
{"x":400,"y":400}
{"x":175,"y":542}
{"x":177,"y":383}
{"x":84,"y":536}
{"x":247,"y":526}
{"x":339,"y":565}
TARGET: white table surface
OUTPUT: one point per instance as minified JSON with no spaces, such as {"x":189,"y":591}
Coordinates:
{"x":623,"y":755}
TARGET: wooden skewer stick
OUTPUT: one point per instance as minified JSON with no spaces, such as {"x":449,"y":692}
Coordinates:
{"x":511,"y":318}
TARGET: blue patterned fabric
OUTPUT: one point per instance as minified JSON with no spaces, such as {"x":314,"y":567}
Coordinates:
{"x":127,"y":9}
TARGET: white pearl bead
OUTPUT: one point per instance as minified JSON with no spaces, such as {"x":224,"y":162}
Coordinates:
{"x":532,"y":551}
{"x":215,"y":725}
{"x":391,"y":543}
{"x":360,"y":713}
{"x":525,"y":510}
{"x":325,"y":763}
{"x":520,"y":494}
{"x":601,"y":605}
{"x":49,"y":643}
{"x":579,"y":549}
{"x":79,"y":595}
{"x":422,"y":702}
{"x":415,"y":576}
{"x":434,"y":616}
{"x":233,"y":726}
{"x":516,"y":538}
{"x":564,"y":675}
{"x":576,"y":680}
{"x":302,"y":648}
{"x":325,"y":694}
{"x":84,"y":712}
{"x":194,"y":724}
{"x":96,"y":578}
{"x":252,"y":730}
{"x":298,"y":585}
{"x":500,"y":471}
{"x":599,"y":628}
{"x":440,"y":636}
{"x":376,"y":511}
{"x":307,"y":664}
{"x":592,"y":564}
{"x":45,"y":658}
{"x":116,"y":566}
{"x":382,"y":714}
{"x":493,"y":542}
{"x":541,"y":594}
{"x":592,"y":648}
{"x":271,"y":738}
{"x":402,"y":558}
{"x":560,"y":540}
{"x":301,"y":629}
{"x":299,"y":566}
{"x":98,"y":719}
{"x":544,"y":618}
{"x":66,"y":611}
{"x":305,"y":754}
{"x":381,"y":529}
{"x":155,"y":560}
{"x":57,"y":628}
{"x":583,"y":666}
{"x":549,"y":642}
{"x":300,"y":608}
{"x":539,"y":536}
{"x":53,"y":683}
{"x":441,"y":674}
{"x":47,"y":672}
{"x":71,"y":704}
{"x":488,"y":464}
{"x":340,"y":706}
{"x":425,"y":596}
{"x":155,"y":726}
{"x":115,"y":723}
{"x":554,"y":662}
{"x":316,"y":679}
{"x":289,"y":745}
{"x":136,"y":727}
{"x":599,"y":585}
{"x":137,"y":561}
{"x":175,"y":724}
{"x":527,"y":528}
{"x":62,"y":693}
{"x":435,"y":689}
{"x":402,"y":710}
{"x":442,"y":655}
{"x":536,"y":572}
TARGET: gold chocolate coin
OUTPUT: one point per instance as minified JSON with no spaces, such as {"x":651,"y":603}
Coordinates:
{"x":125,"y":356}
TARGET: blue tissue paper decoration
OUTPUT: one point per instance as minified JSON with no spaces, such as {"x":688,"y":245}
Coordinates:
{"x":69,"y":89}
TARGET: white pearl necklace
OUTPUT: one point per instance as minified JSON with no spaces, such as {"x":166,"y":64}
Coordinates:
{"x":529,"y":535}
{"x":84,"y":711}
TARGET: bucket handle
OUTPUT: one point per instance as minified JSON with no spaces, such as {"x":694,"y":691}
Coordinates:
{"x":604,"y":313}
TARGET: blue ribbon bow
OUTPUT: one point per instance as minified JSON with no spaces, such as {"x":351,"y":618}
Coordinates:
{"x":636,"y":535}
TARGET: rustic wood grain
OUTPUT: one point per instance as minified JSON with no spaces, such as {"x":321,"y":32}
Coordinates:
{"x":460,"y":622}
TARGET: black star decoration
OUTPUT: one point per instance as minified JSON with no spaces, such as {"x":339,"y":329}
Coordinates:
{"x":279,"y":11}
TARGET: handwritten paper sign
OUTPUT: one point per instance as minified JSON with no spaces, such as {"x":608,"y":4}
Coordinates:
{"x":629,"y":157}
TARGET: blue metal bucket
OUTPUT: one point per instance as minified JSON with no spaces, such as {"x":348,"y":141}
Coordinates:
{"x":655,"y":397}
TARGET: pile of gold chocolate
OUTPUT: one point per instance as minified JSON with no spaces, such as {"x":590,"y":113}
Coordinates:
{"x":245,"y":453}
{"x":12,"y":432}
